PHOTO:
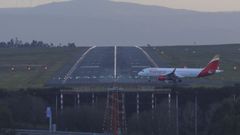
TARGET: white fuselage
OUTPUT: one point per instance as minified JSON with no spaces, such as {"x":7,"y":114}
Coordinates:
{"x":180,"y":72}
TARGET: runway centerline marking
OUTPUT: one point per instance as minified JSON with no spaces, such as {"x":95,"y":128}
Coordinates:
{"x":74,"y":67}
{"x":140,"y":66}
{"x":115,"y":62}
{"x":89,"y":66}
{"x":148,"y":56}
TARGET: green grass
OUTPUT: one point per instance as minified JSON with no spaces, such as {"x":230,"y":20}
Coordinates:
{"x":199,"y":56}
{"x":53,"y":58}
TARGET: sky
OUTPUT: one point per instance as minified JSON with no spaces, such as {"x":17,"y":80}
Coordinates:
{"x":198,"y":5}
{"x":25,"y":3}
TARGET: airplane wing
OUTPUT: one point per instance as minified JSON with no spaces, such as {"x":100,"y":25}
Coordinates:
{"x":173,"y":76}
{"x":178,"y":75}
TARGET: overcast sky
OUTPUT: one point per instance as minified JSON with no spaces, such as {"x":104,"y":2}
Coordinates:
{"x":25,"y":3}
{"x":200,"y":5}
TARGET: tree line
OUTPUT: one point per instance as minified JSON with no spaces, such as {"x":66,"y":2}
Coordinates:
{"x":16,"y":43}
{"x":218,"y":112}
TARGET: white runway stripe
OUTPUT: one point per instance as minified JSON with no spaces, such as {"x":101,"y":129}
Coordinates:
{"x":148,"y":56}
{"x":140,"y":66}
{"x":74,"y":67}
{"x":89,"y":66}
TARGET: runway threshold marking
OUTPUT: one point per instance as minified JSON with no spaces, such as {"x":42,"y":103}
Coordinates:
{"x":74,"y":67}
{"x":148,"y":56}
{"x":89,"y":66}
{"x":140,"y":66}
{"x":115,"y":62}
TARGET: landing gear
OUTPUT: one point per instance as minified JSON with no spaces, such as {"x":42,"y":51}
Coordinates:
{"x":166,"y":81}
{"x":149,"y":79}
{"x":179,"y":80}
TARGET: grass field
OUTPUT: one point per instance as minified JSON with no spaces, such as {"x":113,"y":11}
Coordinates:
{"x":55,"y":58}
{"x":199,"y":56}
{"x":38,"y":58}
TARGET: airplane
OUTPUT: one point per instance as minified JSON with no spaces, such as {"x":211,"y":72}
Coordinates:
{"x":176,"y":74}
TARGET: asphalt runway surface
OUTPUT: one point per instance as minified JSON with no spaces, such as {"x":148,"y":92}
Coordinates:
{"x":106,"y":65}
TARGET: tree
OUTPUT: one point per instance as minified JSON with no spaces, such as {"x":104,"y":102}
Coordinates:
{"x":226,"y":118}
{"x":71,"y":45}
{"x":25,"y":109}
{"x":6,"y":120}
{"x":156,"y":122}
{"x":86,"y":118}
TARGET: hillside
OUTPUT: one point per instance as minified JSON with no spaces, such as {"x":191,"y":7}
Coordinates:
{"x":103,"y":22}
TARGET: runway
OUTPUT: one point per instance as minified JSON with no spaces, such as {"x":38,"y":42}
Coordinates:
{"x":106,"y":65}
{"x":131,"y":60}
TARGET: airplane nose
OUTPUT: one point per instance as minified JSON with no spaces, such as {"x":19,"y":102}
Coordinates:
{"x":140,"y":73}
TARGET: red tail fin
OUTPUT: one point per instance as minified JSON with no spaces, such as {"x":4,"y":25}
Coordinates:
{"x":211,"y":67}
